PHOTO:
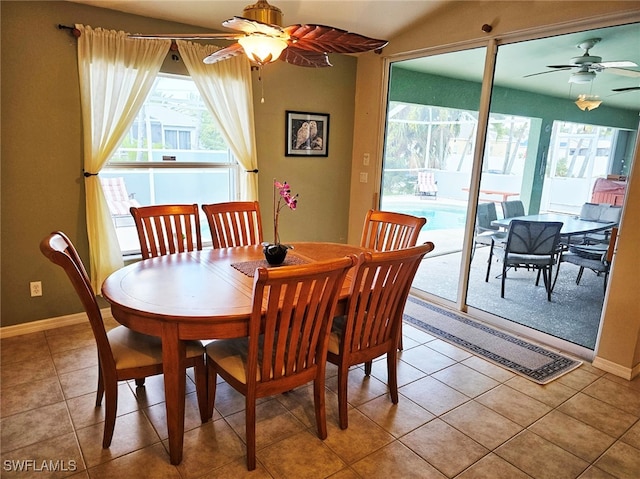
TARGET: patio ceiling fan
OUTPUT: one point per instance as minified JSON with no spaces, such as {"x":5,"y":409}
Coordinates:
{"x":262,"y":38}
{"x":588,"y":65}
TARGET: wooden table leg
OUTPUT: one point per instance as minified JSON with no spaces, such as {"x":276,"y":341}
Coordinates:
{"x":173,"y":359}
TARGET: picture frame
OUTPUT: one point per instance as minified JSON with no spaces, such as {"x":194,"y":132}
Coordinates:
{"x":307,"y":134}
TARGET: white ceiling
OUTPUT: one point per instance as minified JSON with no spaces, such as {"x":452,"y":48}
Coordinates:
{"x":385,"y":19}
{"x":381,"y":19}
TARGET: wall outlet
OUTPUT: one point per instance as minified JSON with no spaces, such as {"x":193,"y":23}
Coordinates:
{"x":364,"y":177}
{"x":36,"y":288}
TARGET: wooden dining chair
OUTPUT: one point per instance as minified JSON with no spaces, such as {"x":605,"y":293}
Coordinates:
{"x":234,"y":223}
{"x":166,"y":229}
{"x":372,"y":325}
{"x":388,"y":230}
{"x":287,"y":344}
{"x":123,"y":354}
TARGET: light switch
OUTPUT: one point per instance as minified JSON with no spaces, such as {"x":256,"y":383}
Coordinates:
{"x":364,"y":177}
{"x":365,"y":159}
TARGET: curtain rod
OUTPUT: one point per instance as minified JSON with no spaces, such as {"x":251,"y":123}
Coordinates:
{"x":74,"y":31}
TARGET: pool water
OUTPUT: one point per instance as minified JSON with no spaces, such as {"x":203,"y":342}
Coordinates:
{"x":439,"y":216}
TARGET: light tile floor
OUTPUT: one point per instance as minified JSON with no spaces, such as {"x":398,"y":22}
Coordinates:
{"x":458,"y":416}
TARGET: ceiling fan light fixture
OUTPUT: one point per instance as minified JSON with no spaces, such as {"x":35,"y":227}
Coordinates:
{"x":582,"y":77}
{"x":588,"y":102}
{"x":261,"y":48}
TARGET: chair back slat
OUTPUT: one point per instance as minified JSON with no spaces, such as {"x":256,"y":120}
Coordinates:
{"x":167,"y":229}
{"x":387,"y":230}
{"x":235,"y":223}
{"x":291,"y":318}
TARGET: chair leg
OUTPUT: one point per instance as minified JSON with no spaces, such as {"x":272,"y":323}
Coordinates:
{"x":367,"y":368}
{"x":504,"y":276}
{"x":212,"y":378}
{"x":250,"y":406}
{"x":580,"y":271}
{"x":343,"y":377}
{"x":546,"y":276}
{"x":486,"y":278}
{"x":110,"y":409}
{"x":200,"y":371}
{"x":319,"y":403}
{"x":140,"y":382}
{"x":100,"y":390}
{"x":392,"y":375}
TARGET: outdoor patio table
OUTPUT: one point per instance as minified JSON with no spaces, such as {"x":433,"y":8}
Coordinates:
{"x":571,"y":225}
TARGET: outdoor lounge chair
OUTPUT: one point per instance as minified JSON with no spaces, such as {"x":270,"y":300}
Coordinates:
{"x":426,"y":185}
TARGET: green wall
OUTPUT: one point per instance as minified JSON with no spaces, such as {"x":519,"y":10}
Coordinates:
{"x":41,"y":181}
{"x":426,"y":89}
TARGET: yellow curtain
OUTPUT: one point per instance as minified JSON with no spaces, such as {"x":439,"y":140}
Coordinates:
{"x":116,"y":75}
{"x":226,"y":89}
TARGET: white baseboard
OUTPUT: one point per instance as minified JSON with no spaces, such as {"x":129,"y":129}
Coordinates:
{"x":46,"y":324}
{"x":616,"y":369}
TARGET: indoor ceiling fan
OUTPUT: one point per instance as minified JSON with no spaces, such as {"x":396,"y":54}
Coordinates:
{"x":588,"y":65}
{"x":263,"y":39}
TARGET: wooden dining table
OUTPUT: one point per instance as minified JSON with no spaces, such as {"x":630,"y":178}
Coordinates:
{"x":196,"y":295}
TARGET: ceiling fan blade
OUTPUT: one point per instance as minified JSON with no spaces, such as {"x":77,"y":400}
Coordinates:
{"x":629,"y":88}
{"x":563,"y":67}
{"x":323,"y":39}
{"x":548,"y":71}
{"x":247,"y":25}
{"x":224,"y":54}
{"x":618,"y":64}
{"x":624,"y":72}
{"x":305,"y":58}
{"x":189,"y":36}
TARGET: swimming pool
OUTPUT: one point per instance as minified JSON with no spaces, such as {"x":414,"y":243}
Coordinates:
{"x":439,"y":216}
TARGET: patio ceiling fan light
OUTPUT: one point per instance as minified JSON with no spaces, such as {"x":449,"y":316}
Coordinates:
{"x":582,"y":77}
{"x":588,"y":103}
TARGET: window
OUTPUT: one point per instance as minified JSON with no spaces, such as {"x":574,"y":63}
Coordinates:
{"x":173,"y":153}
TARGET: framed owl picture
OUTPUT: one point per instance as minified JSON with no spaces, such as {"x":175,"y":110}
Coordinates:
{"x":307,"y":134}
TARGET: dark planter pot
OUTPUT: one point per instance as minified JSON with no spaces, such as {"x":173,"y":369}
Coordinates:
{"x":275,"y":254}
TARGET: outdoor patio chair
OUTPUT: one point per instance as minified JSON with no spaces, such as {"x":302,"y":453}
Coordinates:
{"x":426,"y":186}
{"x":118,"y":198}
{"x":597,"y":261}
{"x":485,"y":232}
{"x":512,"y":208}
{"x":534,"y":245}
{"x":608,"y":213}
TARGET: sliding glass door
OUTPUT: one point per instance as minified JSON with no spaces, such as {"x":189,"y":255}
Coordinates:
{"x":432,"y":122}
{"x":541,"y":147}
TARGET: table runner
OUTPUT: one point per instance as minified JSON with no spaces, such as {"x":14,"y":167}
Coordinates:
{"x":249,"y":267}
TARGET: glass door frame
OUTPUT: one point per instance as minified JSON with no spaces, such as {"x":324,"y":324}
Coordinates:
{"x":491,"y":45}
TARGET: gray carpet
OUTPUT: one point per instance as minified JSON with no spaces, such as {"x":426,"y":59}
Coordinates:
{"x":522,"y":357}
